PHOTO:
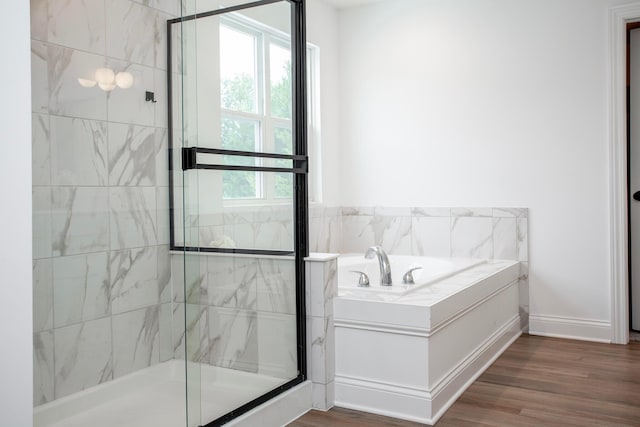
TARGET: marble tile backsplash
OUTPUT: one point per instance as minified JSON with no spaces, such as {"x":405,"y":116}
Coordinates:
{"x":101,"y":264}
{"x":492,"y":233}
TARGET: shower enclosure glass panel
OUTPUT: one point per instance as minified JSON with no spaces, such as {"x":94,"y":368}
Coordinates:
{"x":236,"y":197}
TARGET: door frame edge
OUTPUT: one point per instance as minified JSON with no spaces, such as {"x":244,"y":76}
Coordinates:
{"x":618,"y":217}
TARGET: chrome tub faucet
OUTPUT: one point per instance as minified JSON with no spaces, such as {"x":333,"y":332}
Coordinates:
{"x":383,"y":260}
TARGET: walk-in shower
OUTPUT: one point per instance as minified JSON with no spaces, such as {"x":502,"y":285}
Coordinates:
{"x":169,"y":209}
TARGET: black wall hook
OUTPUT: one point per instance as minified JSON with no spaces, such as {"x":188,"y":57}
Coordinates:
{"x":150,"y":97}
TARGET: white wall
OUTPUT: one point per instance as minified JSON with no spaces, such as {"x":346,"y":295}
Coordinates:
{"x":488,"y":103}
{"x":322,"y":31}
{"x":15,"y":252}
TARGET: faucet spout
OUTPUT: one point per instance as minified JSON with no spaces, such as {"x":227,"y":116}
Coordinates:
{"x":383,"y":260}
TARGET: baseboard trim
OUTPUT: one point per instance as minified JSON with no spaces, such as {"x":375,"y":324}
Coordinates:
{"x":570,"y":328}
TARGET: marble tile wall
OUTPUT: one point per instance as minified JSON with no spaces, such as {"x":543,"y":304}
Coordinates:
{"x":493,"y":233}
{"x":240,"y":312}
{"x":102,"y":299}
{"x":322,"y":286}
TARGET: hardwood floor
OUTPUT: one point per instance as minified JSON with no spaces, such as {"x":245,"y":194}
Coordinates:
{"x":538,"y":381}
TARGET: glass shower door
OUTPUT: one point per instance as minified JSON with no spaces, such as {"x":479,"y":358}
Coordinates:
{"x":238,"y":204}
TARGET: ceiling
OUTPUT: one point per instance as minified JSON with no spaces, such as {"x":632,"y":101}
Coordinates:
{"x":343,"y":4}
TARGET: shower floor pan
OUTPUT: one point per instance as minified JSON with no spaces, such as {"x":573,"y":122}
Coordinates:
{"x":155,"y":397}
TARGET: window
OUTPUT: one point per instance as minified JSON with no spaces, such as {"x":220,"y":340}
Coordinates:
{"x":256,"y":108}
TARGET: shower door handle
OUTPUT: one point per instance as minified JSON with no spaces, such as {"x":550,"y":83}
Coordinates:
{"x":636,"y":196}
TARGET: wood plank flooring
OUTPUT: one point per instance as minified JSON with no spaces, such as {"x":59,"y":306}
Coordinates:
{"x":538,"y":381}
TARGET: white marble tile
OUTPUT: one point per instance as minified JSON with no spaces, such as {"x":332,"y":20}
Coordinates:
{"x":171,"y":7}
{"x":133,"y":217}
{"x":325,"y":228}
{"x":523,"y":288}
{"x":391,"y":211}
{"x":162,"y":158}
{"x":317,"y":352}
{"x":160,"y":41}
{"x":426,"y":211}
{"x":323,"y":396}
{"x":39,"y":19}
{"x":132,"y":153}
{"x":276,"y":286}
{"x":510,"y":212}
{"x":83,"y":356}
{"x":178,"y":328}
{"x":134,"y":281}
{"x":135,"y":340}
{"x":330,"y":285}
{"x":80,"y":220}
{"x":78,"y":24}
{"x":277,"y":345}
{"x":330,"y":349}
{"x":357,"y":211}
{"x":164,"y":273}
{"x":213,"y":236}
{"x":43,"y":374}
{"x":269,"y":235}
{"x":471,"y":237}
{"x":129,"y":105}
{"x":504,"y":238}
{"x":314,"y":292}
{"x":132,"y":31}
{"x":357,"y":233}
{"x":42,"y":295}
{"x":233,"y":338}
{"x":471,"y":212}
{"x":393,"y":233}
{"x":317,"y":230}
{"x":81,"y":288}
{"x":41,"y":217}
{"x":193,"y":269}
{"x":78,"y":152}
{"x":66,"y":96}
{"x":40,"y":152}
{"x":523,"y":239}
{"x":165,"y":336}
{"x":197,"y":337}
{"x":431,"y":236}
{"x":239,"y":227}
{"x":162,"y":101}
{"x":162,"y":214}
{"x":39,"y":78}
{"x":232,"y":282}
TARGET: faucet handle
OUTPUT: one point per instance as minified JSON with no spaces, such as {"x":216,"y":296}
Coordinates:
{"x":363,"y":280}
{"x":407,"y":279}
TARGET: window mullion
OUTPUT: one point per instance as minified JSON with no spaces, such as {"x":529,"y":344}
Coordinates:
{"x":268,"y":125}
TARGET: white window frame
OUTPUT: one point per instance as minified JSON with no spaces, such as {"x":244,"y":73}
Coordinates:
{"x":265,"y":185}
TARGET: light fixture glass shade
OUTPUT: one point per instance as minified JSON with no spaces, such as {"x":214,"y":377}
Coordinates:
{"x":86,"y":82}
{"x":105,"y":76}
{"x":124,"y":80}
{"x":107,"y":87}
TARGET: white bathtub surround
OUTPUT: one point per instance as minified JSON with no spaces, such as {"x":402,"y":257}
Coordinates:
{"x":480,"y":232}
{"x":322,"y":280}
{"x":410,"y":356}
{"x":126,"y":400}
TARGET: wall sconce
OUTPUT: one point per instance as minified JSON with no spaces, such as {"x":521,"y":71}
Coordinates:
{"x":108,"y":80}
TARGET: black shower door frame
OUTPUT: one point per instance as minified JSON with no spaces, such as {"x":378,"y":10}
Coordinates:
{"x":299,"y":169}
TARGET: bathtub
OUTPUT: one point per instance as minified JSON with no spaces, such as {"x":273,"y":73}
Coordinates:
{"x":428,"y":270}
{"x":408,"y":351}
